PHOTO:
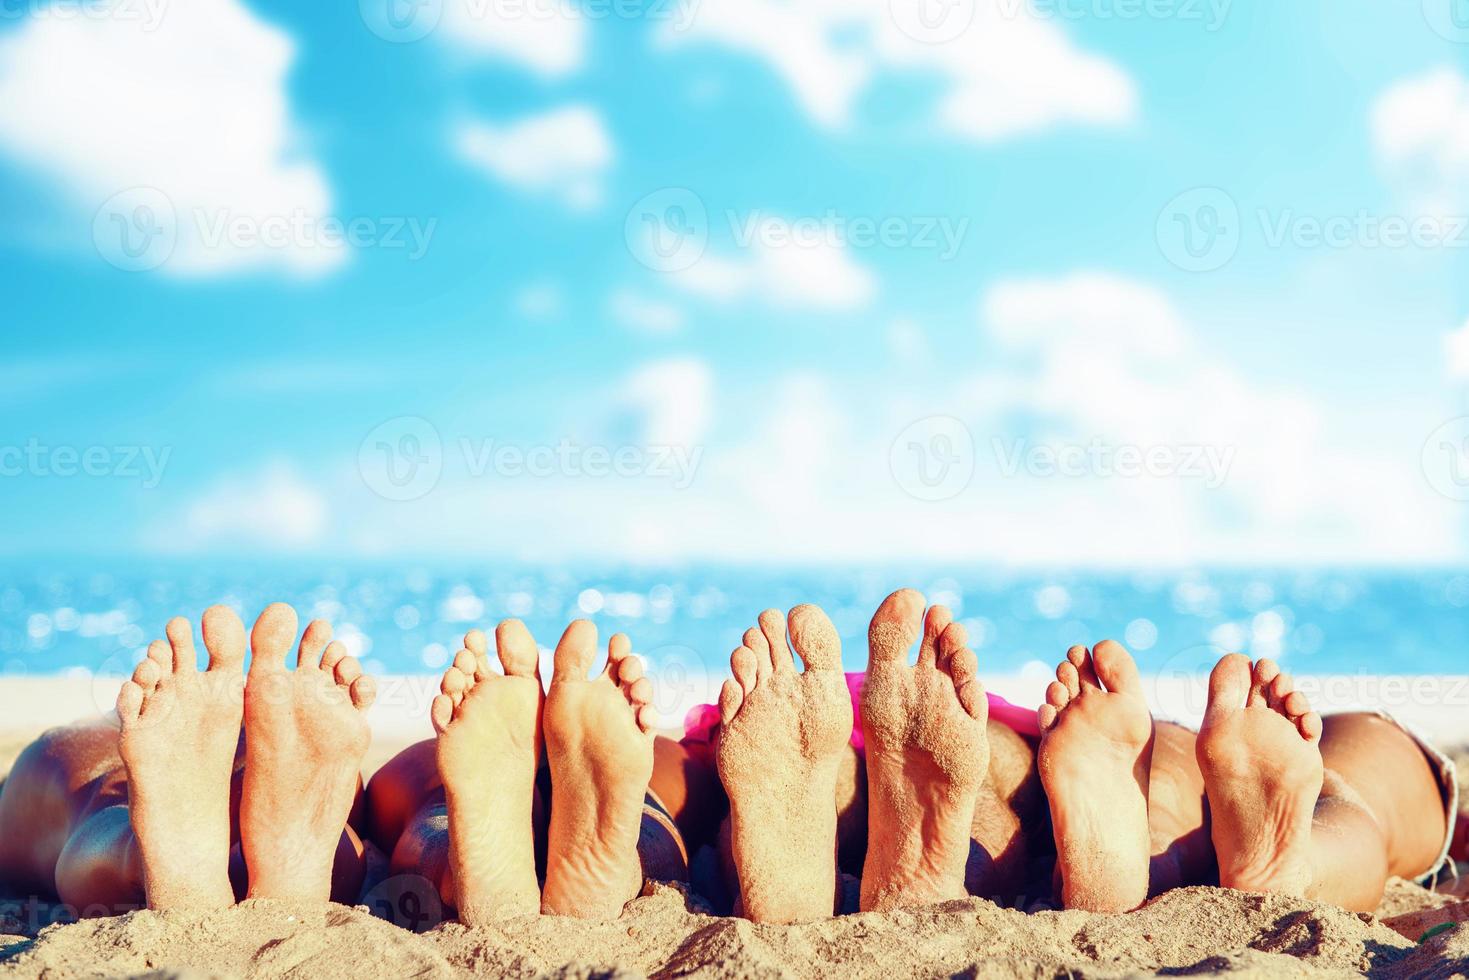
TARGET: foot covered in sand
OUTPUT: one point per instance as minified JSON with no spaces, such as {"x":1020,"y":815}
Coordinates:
{"x":927,"y":755}
{"x":782,"y":734}
{"x":305,"y":734}
{"x":1260,"y":753}
{"x":180,"y":729}
{"x":489,"y":747}
{"x":599,"y":745}
{"x":1095,"y":755}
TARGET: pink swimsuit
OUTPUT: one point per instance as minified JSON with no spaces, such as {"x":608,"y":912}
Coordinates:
{"x":703,"y":719}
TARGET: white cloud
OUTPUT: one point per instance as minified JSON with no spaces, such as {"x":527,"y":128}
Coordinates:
{"x":816,"y":273}
{"x":539,"y":301}
{"x":644,"y":314}
{"x":562,"y":153}
{"x":1456,"y":346}
{"x":272,"y":508}
{"x":1007,"y":72}
{"x":1425,"y":120}
{"x":193,"y":106}
{"x":547,"y":36}
{"x":675,"y":397}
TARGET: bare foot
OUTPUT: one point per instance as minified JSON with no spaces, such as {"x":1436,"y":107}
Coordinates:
{"x":599,"y":743}
{"x":1095,"y":757}
{"x":489,"y":747}
{"x":781,"y":739}
{"x":1260,"y":752}
{"x":927,"y":755}
{"x":305,"y":734}
{"x":180,"y":729}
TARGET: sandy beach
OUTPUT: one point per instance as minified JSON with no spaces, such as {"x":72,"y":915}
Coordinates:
{"x":670,"y":932}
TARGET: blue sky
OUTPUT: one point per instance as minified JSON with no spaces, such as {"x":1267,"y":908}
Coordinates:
{"x":929,"y":292}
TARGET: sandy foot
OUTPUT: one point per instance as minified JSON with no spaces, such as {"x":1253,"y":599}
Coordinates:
{"x":1095,"y":755}
{"x":489,"y":747}
{"x":1260,"y":752}
{"x":927,"y":755}
{"x":782,"y":735}
{"x":599,"y":744}
{"x":305,"y":733}
{"x":180,"y":729}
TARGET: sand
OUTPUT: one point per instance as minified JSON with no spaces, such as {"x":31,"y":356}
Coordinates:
{"x":667,"y":932}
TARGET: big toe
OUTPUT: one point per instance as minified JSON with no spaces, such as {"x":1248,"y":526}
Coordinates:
{"x":1116,"y":668}
{"x":224,"y":638}
{"x":272,"y":636}
{"x":895,"y":626}
{"x":1229,"y":685}
{"x":815,"y":638}
{"x":517,"y":649}
{"x":576,"y":651}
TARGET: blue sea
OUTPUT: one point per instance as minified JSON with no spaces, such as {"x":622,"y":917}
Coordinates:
{"x":98,"y":618}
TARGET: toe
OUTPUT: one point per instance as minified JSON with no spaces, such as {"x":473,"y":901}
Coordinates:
{"x":1229,"y":685}
{"x":1264,"y":674}
{"x":363,"y":691}
{"x":575,"y":652}
{"x":1080,"y":658}
{"x":956,"y":658}
{"x":517,"y":649}
{"x":441,"y":712}
{"x":148,"y":672}
{"x":181,"y":639}
{"x":731,"y":696}
{"x":271,"y":638}
{"x":159,"y":651}
{"x":454,"y":685}
{"x":773,"y":625}
{"x":755,"y":641}
{"x":224,"y":638}
{"x":334,"y":652}
{"x":973,"y":700}
{"x":894,"y":627}
{"x":619,"y":647}
{"x":1296,"y":704}
{"x":647,"y":718}
{"x":639,"y":692}
{"x":318,"y":634}
{"x":815,"y":638}
{"x":1278,"y":690}
{"x":934,"y":623}
{"x":629,"y":669}
{"x":129,"y":703}
{"x":1116,"y":668}
{"x":1069,"y":676}
{"x":1309,"y":725}
{"x":743,"y":664}
{"x":1058,"y":695}
{"x":348,"y":670}
{"x":1046,"y":716}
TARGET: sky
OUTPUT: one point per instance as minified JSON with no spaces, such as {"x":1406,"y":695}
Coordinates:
{"x":1016,"y":282}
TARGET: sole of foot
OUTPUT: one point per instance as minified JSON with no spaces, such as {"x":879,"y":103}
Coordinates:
{"x":489,"y":747}
{"x":305,"y":734}
{"x":1095,"y":756}
{"x":599,"y":746}
{"x":180,"y":730}
{"x":1260,"y":752}
{"x":927,"y":755}
{"x":781,"y":738}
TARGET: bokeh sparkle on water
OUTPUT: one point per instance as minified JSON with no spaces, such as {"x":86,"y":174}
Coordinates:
{"x":409,"y":619}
